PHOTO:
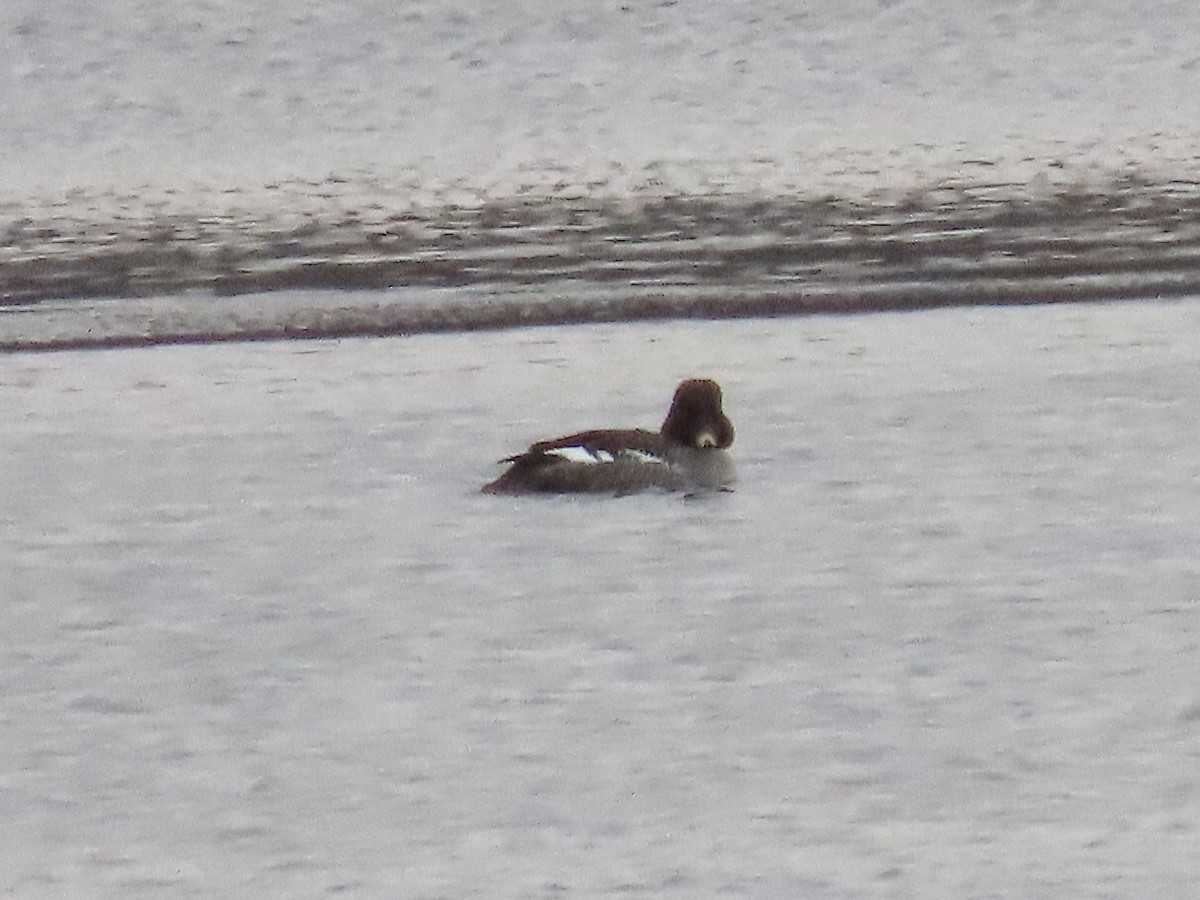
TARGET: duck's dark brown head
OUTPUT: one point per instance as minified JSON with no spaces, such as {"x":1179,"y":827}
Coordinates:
{"x":695,"y":418}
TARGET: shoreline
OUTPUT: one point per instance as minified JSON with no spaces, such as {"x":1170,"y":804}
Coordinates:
{"x":75,"y":284}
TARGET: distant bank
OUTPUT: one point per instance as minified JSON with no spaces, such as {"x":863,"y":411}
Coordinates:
{"x":74,"y":281}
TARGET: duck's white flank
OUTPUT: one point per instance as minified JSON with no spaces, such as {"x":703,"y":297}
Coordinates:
{"x":589,"y":457}
{"x":581,"y":455}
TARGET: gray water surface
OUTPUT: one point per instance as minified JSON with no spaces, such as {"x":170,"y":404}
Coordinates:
{"x":263,"y":638}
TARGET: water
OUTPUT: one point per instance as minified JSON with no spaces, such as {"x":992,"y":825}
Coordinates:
{"x":188,"y":150}
{"x":263,"y":637}
{"x":209,"y":96}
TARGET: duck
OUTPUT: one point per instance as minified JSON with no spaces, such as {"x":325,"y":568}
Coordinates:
{"x":688,"y":453}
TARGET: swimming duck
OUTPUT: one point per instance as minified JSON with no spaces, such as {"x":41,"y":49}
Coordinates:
{"x":686,"y":454}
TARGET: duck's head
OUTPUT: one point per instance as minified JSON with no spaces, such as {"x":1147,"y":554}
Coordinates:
{"x":695,"y":418}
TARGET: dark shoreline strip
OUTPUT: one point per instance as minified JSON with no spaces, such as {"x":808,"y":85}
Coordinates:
{"x":635,"y":308}
{"x":558,"y":262}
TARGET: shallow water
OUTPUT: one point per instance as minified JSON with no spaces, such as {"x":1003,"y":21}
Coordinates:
{"x":263,"y":637}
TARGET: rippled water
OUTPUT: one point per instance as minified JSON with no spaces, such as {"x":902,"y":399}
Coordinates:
{"x":263,"y":637}
{"x":620,"y":161}
{"x":557,"y":262}
{"x":140,"y":105}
